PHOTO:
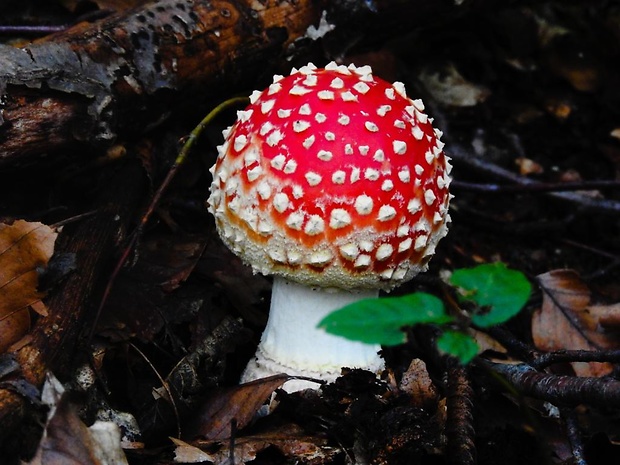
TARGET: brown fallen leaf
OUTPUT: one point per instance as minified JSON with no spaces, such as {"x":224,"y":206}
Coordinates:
{"x":237,"y":405}
{"x":68,"y":441}
{"x":290,"y":440}
{"x":567,"y":321}
{"x":24,"y":249}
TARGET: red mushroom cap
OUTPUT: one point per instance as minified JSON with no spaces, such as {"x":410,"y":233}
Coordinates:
{"x":334,"y":178}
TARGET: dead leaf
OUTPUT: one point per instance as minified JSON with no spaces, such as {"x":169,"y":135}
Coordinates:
{"x":25,"y":248}
{"x":565,"y":321}
{"x":290,"y":440}
{"x":237,"y":404}
{"x":68,"y":441}
{"x":449,"y":87}
{"x":417,"y":383}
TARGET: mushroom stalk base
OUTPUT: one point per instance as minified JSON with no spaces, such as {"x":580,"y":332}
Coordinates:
{"x":292,"y":343}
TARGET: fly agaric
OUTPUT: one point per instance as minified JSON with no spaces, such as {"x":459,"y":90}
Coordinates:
{"x":335,"y":182}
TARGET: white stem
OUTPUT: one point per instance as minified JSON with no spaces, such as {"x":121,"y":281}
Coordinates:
{"x":292,"y":343}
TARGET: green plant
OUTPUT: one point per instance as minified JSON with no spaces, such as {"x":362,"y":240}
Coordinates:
{"x":494,"y":292}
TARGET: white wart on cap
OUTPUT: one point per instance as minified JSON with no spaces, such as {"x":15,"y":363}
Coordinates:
{"x":334,"y":178}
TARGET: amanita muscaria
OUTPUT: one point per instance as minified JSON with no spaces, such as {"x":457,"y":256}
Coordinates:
{"x":336,"y":183}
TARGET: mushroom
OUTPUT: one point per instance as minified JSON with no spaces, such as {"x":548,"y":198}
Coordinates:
{"x":336,"y":183}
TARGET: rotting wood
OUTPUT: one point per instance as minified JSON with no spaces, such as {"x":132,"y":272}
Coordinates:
{"x":54,"y":338}
{"x":95,"y":80}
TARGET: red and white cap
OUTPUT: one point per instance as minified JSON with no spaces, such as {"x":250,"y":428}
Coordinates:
{"x":333,"y":178}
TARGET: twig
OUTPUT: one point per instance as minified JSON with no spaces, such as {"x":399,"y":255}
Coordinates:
{"x":574,"y":437}
{"x":569,"y":356}
{"x":567,"y":390}
{"x":459,"y":425}
{"x":462,"y":155}
{"x":536,"y":187}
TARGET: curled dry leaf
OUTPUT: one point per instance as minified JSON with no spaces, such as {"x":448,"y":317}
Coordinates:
{"x":566,"y":320}
{"x":237,"y":405}
{"x":417,"y":383}
{"x":24,"y":249}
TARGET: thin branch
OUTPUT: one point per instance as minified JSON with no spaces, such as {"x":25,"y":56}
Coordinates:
{"x":536,"y":187}
{"x":459,"y":425}
{"x":464,"y":156}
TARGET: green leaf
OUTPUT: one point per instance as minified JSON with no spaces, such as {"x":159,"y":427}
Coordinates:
{"x":458,"y":344}
{"x":501,"y":291}
{"x":379,"y":321}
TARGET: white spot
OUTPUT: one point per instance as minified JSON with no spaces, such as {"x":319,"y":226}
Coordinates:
{"x":372,"y":127}
{"x":250,"y":156}
{"x":339,"y":218}
{"x":389,"y":93}
{"x":348,"y":149}
{"x":314,"y":226}
{"x":355,"y":175}
{"x":293,"y":257}
{"x":400,"y":88}
{"x":267,"y":106}
{"x":366,"y":246}
{"x":361,"y":87}
{"x":411,"y":110}
{"x":363,"y":204}
{"x":277,"y":255}
{"x":405,"y":245}
{"x":313,"y":178}
{"x":438,"y":133}
{"x":240,"y":142}
{"x":387,"y":274}
{"x":330,"y":136}
{"x":290,"y":166}
{"x":344,"y":119}
{"x":365,"y":70}
{"x":299,"y":90}
{"x":234,"y":204}
{"x":386,"y":213}
{"x":339,"y":177}
{"x":404,"y":175}
{"x":349,"y":251}
{"x":429,"y":156}
{"x":383,"y":109}
{"x":324,"y":155}
{"x":295,"y":220}
{"x":419,"y":170}
{"x":421,"y":117}
{"x":320,"y":118}
{"x":244,"y":115}
{"x":429,"y":197}
{"x":281,"y":202}
{"x":274,"y":88}
{"x":331,"y":66}
{"x":298,"y":191}
{"x":440,"y":144}
{"x":325,"y":95}
{"x":284,"y":113}
{"x":348,"y":96}
{"x":399,"y":274}
{"x":320,"y":258}
{"x":264,"y":190}
{"x":384,"y":252}
{"x":337,"y":83}
{"x":399,"y":147}
{"x":414,"y":206}
{"x":300,"y":125}
{"x":308,"y":69}
{"x":420,"y":242}
{"x":387,"y":185}
{"x":437,"y":218}
{"x":417,"y":132}
{"x":399,"y":123}
{"x":277,"y":77}
{"x":264,"y":228}
{"x":265,"y":128}
{"x":371,"y":174}
{"x":363,"y":149}
{"x":305,"y":109}
{"x":311,"y":80}
{"x":274,"y":138}
{"x":254,"y":173}
{"x":362,"y":261}
{"x":379,"y":155}
{"x":254,"y":96}
{"x":441,"y":182}
{"x":278,"y":161}
{"x":402,"y":230}
{"x":309,"y":141}
{"x":419,"y":105}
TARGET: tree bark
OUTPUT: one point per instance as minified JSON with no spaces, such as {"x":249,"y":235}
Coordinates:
{"x":97,"y":81}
